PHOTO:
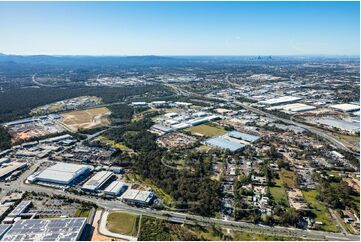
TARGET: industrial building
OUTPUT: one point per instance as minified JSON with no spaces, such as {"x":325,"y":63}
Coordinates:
{"x":20,"y":208}
{"x":115,"y":188}
{"x":222,"y":143}
{"x":346,"y":107}
{"x":243,"y":136}
{"x":3,"y":229}
{"x":297,"y":107}
{"x":97,"y":181}
{"x":280,"y":100}
{"x":63,"y":174}
{"x":65,"y":229}
{"x":6,"y":169}
{"x":138,"y":197}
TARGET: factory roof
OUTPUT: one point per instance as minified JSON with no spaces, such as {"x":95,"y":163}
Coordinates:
{"x":243,"y":136}
{"x":161,"y":128}
{"x":63,"y":172}
{"x":115,"y":187}
{"x":20,"y":208}
{"x":137,"y":195}
{"x":345,"y":107}
{"x":223,"y":143}
{"x":10,"y":168}
{"x":96,"y":181}
{"x":297,"y":107}
{"x":284,"y":99}
{"x":3,"y":229}
{"x":66,"y":229}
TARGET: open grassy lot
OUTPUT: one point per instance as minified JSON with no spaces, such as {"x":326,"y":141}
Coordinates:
{"x":112,"y":143}
{"x":85,"y":119}
{"x":278,"y":192}
{"x":82,"y":213}
{"x":320,"y":210}
{"x":288,"y":178}
{"x":156,"y":229}
{"x":123,"y":223}
{"x":207,"y":130}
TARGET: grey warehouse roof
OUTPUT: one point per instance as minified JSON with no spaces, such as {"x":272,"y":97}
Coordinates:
{"x":223,"y":143}
{"x":243,"y":136}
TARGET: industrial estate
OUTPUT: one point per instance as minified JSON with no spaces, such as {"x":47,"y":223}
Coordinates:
{"x":213,"y":155}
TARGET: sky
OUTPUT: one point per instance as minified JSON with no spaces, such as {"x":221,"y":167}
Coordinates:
{"x":180,"y":28}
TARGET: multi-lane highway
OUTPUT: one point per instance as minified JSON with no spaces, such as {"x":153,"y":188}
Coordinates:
{"x":183,"y":217}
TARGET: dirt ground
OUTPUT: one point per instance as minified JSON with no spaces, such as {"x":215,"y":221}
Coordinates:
{"x":85,"y":119}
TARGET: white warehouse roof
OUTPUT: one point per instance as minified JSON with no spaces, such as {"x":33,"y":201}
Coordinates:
{"x":280,"y":100}
{"x":62,"y":173}
{"x":96,"y":181}
{"x":345,"y":107}
{"x":115,"y":188}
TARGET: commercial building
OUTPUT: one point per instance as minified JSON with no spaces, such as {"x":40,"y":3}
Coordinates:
{"x":345,"y":107}
{"x":61,"y":173}
{"x":280,"y":100}
{"x":138,"y":197}
{"x":97,"y":181}
{"x":65,"y":229}
{"x":115,"y":188}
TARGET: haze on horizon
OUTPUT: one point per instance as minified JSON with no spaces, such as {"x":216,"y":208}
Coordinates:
{"x":180,"y":28}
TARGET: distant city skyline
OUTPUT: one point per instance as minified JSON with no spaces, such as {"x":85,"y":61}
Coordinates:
{"x":180,"y":28}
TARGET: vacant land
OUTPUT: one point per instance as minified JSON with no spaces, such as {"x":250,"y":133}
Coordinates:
{"x":123,"y":223}
{"x":85,"y":119}
{"x":156,"y":229}
{"x":207,"y":130}
{"x":288,"y":178}
{"x":244,"y":236}
{"x":112,"y":143}
{"x":320,"y":210}
{"x":278,"y":192}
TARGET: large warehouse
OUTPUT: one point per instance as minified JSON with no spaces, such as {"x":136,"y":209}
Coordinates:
{"x":97,"y":181}
{"x":115,"y":188}
{"x":222,"y":143}
{"x":56,"y":229}
{"x":345,"y":107}
{"x":61,"y":173}
{"x":281,"y":100}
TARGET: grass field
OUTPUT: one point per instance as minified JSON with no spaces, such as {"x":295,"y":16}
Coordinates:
{"x":207,"y":130}
{"x":278,"y":192}
{"x":123,"y":223}
{"x":288,"y":178}
{"x":321,"y":211}
{"x":82,"y":213}
{"x":85,"y":119}
{"x":112,"y":143}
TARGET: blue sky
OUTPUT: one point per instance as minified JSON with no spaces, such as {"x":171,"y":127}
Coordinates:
{"x":180,"y":28}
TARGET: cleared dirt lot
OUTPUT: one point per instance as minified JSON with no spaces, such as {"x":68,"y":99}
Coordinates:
{"x":85,"y":119}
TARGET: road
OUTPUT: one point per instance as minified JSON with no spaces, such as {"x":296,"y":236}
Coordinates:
{"x":185,"y":218}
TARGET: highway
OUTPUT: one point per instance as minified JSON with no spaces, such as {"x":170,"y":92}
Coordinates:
{"x":180,"y":217}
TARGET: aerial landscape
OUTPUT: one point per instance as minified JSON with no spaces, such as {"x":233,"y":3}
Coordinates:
{"x":152,"y":121}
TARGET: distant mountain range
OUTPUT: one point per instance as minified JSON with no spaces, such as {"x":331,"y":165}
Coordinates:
{"x":148,"y":59}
